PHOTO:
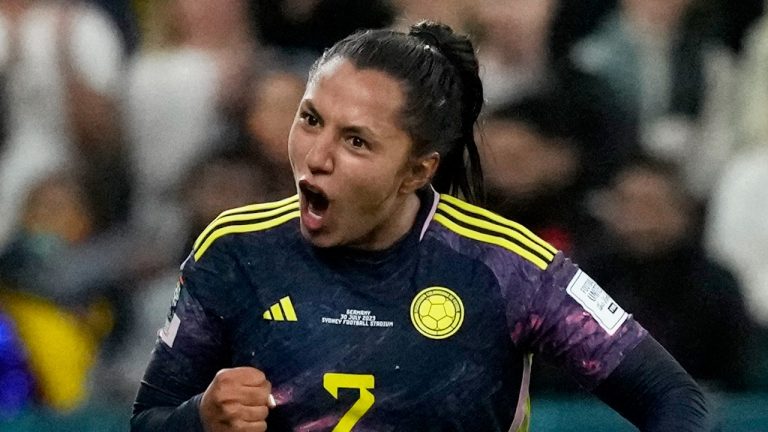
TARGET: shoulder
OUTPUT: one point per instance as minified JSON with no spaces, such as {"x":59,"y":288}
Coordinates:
{"x":486,"y":228}
{"x":254,"y":218}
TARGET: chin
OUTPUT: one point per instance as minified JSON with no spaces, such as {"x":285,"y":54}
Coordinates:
{"x":319,"y":239}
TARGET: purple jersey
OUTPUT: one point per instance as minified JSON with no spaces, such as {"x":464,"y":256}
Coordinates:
{"x":434,"y":334}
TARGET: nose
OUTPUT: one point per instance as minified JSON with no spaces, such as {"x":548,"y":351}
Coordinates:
{"x":320,"y":157}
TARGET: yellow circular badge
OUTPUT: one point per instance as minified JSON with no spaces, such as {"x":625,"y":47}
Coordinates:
{"x":437,"y":312}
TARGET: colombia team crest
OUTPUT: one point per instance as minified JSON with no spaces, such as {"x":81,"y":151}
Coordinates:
{"x":437,"y":312}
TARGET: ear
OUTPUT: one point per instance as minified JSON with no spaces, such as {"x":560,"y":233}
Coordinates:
{"x":421,"y":172}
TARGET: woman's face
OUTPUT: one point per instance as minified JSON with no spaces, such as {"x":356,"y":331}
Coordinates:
{"x":519,"y":162}
{"x":647,"y":212}
{"x":351,"y":158}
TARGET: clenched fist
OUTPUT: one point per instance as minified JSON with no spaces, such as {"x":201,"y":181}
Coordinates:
{"x":237,"y":400}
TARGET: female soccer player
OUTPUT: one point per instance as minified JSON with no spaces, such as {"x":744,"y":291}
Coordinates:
{"x":375,"y":300}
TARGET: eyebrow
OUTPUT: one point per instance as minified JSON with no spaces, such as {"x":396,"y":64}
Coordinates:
{"x":307,"y":103}
{"x":359,"y":130}
{"x":353,"y":129}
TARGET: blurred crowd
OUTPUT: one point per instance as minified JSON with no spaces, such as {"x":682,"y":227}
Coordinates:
{"x":631,"y":134}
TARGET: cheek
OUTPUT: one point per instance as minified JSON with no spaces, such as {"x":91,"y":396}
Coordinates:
{"x":371,"y":185}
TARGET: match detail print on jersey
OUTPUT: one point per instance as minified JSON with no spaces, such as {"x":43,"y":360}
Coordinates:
{"x":597,"y":302}
{"x":437,"y":312}
{"x":357,"y":318}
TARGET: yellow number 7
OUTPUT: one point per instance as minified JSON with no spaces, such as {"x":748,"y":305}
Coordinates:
{"x":334,"y":381}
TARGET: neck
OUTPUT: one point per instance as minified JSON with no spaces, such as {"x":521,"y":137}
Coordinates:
{"x":397,"y":224}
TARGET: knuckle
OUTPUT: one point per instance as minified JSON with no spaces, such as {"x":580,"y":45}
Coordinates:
{"x":229,"y":411}
{"x":259,"y":376}
{"x":214,"y":394}
{"x":223,"y":376}
{"x":243,"y":426}
{"x":261,"y":412}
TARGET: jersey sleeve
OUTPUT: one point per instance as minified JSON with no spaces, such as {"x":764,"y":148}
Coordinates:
{"x":190,"y":349}
{"x":563,"y":316}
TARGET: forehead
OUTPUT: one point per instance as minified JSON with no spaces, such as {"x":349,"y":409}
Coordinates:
{"x":362,"y":97}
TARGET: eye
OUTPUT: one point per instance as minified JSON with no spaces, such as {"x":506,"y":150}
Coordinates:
{"x":309,"y":119}
{"x":357,"y":142}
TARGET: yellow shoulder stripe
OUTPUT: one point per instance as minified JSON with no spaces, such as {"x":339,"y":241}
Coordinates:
{"x":498,"y":219}
{"x":245,"y":213}
{"x":501,"y":229}
{"x":486,"y":238}
{"x":260,"y":206}
{"x":240,"y":228}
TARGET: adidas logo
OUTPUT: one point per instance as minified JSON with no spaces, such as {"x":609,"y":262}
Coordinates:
{"x":281,"y":311}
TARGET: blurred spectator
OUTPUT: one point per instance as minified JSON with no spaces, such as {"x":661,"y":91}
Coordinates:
{"x":514,"y":47}
{"x":534,"y":164}
{"x":16,"y":382}
{"x":274,"y":101}
{"x":186,"y":93}
{"x":450,"y":12}
{"x":296,"y":26}
{"x":729,"y":21}
{"x":673,"y":78}
{"x":737,"y":234}
{"x":214,"y":184}
{"x":122,"y":14}
{"x":652,"y":263}
{"x":753,"y":88}
{"x":517,"y":62}
{"x":60,"y":329}
{"x":3,"y":114}
{"x":61,"y":64}
{"x":576,"y":19}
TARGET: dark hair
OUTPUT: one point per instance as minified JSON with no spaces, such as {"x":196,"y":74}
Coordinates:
{"x":439,"y":74}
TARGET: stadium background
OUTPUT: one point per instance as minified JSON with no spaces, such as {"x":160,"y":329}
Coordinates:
{"x":633,"y":134}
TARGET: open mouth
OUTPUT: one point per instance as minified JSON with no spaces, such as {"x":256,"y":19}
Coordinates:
{"x":317,"y":201}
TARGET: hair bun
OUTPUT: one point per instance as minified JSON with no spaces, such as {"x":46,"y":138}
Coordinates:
{"x":427,"y":36}
{"x":460,"y":53}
